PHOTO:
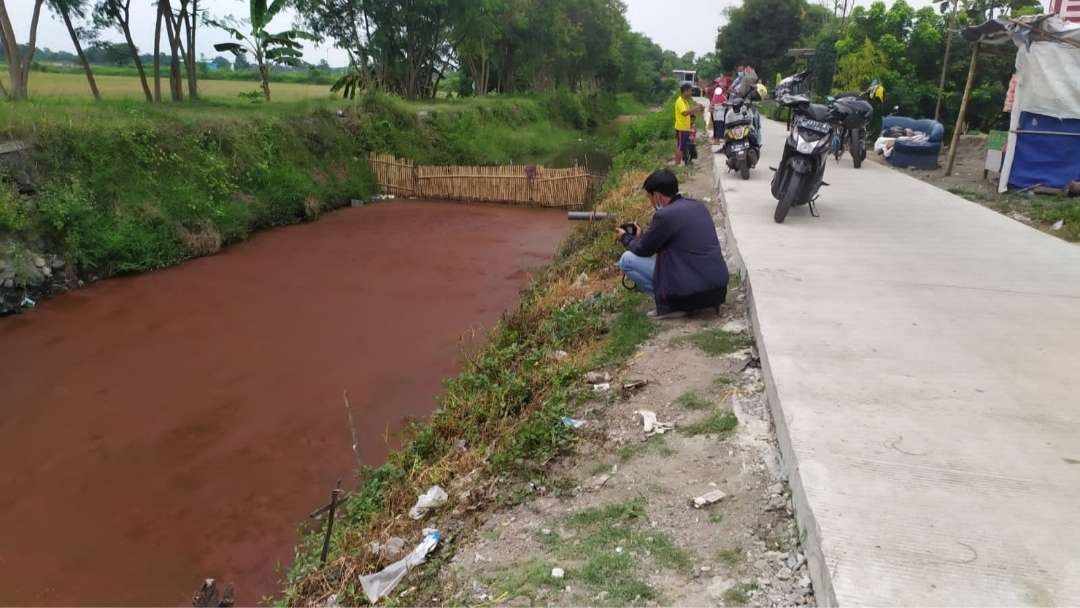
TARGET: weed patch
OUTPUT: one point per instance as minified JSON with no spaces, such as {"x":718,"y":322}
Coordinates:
{"x":612,"y":545}
{"x":630,"y":329}
{"x":716,"y":423}
{"x":657,"y":444}
{"x":716,"y":341}
{"x":691,"y":400}
{"x":739,"y":595}
{"x":731,"y":557}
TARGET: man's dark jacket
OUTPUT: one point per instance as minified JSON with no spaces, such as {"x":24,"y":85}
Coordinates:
{"x":690,"y":268}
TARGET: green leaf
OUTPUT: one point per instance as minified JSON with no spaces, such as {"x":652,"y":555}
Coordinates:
{"x":231,"y":47}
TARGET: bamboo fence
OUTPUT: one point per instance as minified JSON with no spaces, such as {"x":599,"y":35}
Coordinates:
{"x":521,"y":184}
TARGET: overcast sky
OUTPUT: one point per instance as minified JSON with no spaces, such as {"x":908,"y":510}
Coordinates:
{"x":692,"y":28}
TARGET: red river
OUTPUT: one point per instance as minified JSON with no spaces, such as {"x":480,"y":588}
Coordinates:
{"x":163,"y":428}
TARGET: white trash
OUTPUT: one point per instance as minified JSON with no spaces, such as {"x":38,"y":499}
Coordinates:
{"x":433,"y":498}
{"x":572,"y":423}
{"x":558,"y":573}
{"x":381,"y":583}
{"x":651,"y":425}
{"x":708,"y":498}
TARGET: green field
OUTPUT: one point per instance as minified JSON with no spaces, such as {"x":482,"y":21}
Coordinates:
{"x":124,"y":87}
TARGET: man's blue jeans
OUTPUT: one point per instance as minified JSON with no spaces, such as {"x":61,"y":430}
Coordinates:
{"x":640,"y":270}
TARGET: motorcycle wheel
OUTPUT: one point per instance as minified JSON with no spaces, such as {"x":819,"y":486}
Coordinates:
{"x":858,"y":149}
{"x":788,"y":197}
{"x":744,"y":168}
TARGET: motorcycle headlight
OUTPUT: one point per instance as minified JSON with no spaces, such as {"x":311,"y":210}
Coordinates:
{"x":807,"y":142}
{"x":737,"y":133}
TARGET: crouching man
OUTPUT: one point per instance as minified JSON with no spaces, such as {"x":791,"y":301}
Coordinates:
{"x":677,"y":261}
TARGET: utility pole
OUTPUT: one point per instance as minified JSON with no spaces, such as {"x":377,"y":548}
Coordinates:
{"x":945,"y":62}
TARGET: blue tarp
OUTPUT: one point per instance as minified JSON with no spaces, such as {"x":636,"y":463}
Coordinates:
{"x":1045,"y":158}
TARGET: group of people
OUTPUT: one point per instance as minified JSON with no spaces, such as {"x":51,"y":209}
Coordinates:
{"x":678,"y":261}
{"x":744,"y":84}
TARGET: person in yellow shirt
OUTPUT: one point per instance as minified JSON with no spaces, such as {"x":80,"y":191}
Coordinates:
{"x":685,"y":109}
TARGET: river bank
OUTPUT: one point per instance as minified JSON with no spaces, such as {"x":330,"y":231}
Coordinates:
{"x":540,"y":512}
{"x":99,"y":190}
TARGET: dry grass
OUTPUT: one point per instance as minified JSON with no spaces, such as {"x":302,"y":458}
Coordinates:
{"x":204,"y":240}
{"x":126,"y":87}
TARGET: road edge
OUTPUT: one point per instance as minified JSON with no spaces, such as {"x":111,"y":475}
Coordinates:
{"x":809,"y":531}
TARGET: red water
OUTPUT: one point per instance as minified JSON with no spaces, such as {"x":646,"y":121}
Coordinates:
{"x":160,"y":429}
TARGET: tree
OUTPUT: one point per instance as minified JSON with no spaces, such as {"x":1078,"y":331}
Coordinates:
{"x":221,"y":63}
{"x":282,"y":47}
{"x":67,"y":9}
{"x":117,"y":13}
{"x":761,"y":32}
{"x":241,"y":62}
{"x":19,"y":64}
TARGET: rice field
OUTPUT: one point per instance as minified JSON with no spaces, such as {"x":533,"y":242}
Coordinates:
{"x":125,"y":87}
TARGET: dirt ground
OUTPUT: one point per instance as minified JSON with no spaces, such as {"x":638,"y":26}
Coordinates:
{"x":616,"y":526}
{"x":967,"y":173}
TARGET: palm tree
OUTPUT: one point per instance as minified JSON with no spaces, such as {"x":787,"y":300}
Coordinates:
{"x":282,"y":47}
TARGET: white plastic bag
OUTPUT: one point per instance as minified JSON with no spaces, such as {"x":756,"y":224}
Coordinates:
{"x":380,"y":584}
{"x":433,"y":498}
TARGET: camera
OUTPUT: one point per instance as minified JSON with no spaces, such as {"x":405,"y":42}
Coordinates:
{"x":630,"y":229}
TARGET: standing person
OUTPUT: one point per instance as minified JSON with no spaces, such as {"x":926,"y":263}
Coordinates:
{"x":685,"y":109}
{"x":719,"y":96}
{"x":677,"y":261}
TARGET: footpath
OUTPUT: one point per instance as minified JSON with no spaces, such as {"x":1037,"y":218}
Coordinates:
{"x":921,"y":356}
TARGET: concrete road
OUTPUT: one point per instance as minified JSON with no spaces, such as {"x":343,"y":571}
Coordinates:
{"x":923,"y":364}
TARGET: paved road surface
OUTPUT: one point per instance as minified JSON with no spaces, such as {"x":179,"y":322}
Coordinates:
{"x":923,"y":357}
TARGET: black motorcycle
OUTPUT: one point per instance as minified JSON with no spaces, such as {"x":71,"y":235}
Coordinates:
{"x":741,"y":145}
{"x":851,"y":113}
{"x":802,"y":167}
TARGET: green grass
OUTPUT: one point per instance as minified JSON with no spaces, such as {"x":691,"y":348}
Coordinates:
{"x":731,"y":557}
{"x":716,"y":341}
{"x":723,"y":382}
{"x":630,"y":329}
{"x":739,"y":595}
{"x":716,"y":518}
{"x":657,"y":444}
{"x":611,"y":547}
{"x":1043,"y":210}
{"x":716,"y":423}
{"x":526,"y":579}
{"x":691,"y":400}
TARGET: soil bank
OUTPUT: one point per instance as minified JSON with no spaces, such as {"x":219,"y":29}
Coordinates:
{"x":178,"y":425}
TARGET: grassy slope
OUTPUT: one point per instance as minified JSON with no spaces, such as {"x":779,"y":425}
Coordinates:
{"x":125,"y":186}
{"x":504,"y":408}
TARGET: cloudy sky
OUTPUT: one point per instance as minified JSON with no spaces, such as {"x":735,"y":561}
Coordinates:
{"x":692,"y":29}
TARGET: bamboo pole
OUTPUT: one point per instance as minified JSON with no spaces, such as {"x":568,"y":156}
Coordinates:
{"x":963,"y":109}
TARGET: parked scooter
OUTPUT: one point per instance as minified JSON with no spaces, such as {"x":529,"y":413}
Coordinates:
{"x":851,"y":113}
{"x":802,"y":167}
{"x":741,"y":142}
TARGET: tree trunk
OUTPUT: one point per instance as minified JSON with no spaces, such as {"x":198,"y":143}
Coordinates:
{"x":138,"y":63}
{"x":264,"y":76}
{"x":945,"y":61}
{"x":191,"y":22}
{"x":176,"y":87}
{"x":79,"y":52}
{"x":19,"y":67}
{"x":157,"y":54}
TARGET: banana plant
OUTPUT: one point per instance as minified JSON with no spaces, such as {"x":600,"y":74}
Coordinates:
{"x":282,"y":47}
